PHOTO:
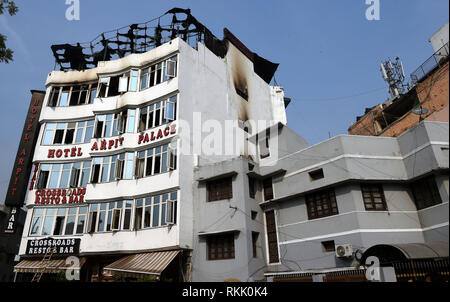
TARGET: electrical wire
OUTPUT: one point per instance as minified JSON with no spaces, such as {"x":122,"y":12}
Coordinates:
{"x":325,"y":99}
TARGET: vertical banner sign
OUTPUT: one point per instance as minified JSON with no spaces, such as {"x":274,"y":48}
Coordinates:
{"x":11,"y":222}
{"x":23,"y":163}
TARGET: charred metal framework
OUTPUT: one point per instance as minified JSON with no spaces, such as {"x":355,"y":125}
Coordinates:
{"x":142,"y":37}
{"x":136,"y":38}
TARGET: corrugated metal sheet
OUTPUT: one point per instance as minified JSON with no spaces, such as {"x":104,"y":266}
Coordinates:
{"x":50,"y":266}
{"x":146,"y":263}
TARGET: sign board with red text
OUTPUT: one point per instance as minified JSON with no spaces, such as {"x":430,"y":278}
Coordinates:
{"x":23,"y":163}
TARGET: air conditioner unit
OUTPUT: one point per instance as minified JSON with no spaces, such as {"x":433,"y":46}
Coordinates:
{"x":344,"y":250}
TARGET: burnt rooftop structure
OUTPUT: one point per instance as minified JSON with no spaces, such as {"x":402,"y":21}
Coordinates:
{"x":142,"y":37}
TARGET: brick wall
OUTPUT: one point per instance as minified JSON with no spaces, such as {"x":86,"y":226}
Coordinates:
{"x":432,"y":93}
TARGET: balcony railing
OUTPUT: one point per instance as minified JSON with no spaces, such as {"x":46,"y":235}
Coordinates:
{"x":436,"y":60}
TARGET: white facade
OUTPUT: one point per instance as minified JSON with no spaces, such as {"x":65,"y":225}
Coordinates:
{"x":440,"y":38}
{"x":204,"y":89}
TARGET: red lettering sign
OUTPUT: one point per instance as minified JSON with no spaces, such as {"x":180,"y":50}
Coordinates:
{"x":72,"y":152}
{"x":156,"y":134}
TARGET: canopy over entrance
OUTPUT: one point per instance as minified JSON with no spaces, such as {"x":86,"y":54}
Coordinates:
{"x":406,"y":251}
{"x":152,"y":263}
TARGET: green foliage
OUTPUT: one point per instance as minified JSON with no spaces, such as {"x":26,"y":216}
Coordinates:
{"x":6,"y":54}
{"x":10,"y":5}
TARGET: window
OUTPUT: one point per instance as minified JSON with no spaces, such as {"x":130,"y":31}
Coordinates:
{"x":81,"y":220}
{"x":138,"y":215}
{"x":93,"y":213}
{"x":154,"y":161}
{"x":114,"y":212}
{"x":170,"y":68}
{"x":112,"y":168}
{"x":156,"y":211}
{"x":102,"y":87}
{"x":131,"y":120}
{"x":54,"y":96}
{"x":49,"y":219}
{"x":158,"y":73}
{"x":44,"y":172}
{"x":57,"y":221}
{"x":220,"y":246}
{"x":220,"y":189}
{"x":72,"y":95}
{"x":254,"y":215}
{"x":255,"y":236}
{"x":128,"y":204}
{"x":79,"y":95}
{"x":158,"y":113}
{"x":69,"y":175}
{"x":251,"y":187}
{"x":70,"y":222}
{"x":172,"y":151}
{"x":272,"y":237}
{"x":67,"y":133}
{"x":171,"y":211}
{"x":328,"y":246}
{"x":150,"y":212}
{"x":170,"y":106}
{"x":264,"y":150}
{"x":316,"y":174}
{"x":425,"y":192}
{"x":268,"y":189}
{"x":36,"y":221}
{"x":373,"y":197}
{"x":321,"y":204}
{"x":107,"y":125}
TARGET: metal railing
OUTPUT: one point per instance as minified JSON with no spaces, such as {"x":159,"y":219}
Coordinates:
{"x":437,"y":59}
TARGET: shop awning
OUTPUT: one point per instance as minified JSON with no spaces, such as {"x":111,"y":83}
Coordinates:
{"x":152,"y":263}
{"x":407,"y":251}
{"x":51,"y":266}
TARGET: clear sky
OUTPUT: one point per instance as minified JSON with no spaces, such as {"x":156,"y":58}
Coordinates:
{"x":329,"y":53}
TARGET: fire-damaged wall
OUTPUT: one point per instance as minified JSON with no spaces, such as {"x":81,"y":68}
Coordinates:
{"x":395,"y":118}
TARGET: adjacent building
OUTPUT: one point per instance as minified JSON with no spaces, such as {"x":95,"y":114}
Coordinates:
{"x":429,"y":92}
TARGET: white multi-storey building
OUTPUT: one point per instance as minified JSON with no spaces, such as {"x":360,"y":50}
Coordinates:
{"x":118,"y":145}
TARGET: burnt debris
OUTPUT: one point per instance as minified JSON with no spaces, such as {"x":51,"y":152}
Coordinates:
{"x":140,"y":38}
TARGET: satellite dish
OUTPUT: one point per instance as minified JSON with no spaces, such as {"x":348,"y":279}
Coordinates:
{"x":420,"y":110}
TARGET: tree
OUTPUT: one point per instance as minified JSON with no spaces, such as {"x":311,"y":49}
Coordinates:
{"x":6,"y":54}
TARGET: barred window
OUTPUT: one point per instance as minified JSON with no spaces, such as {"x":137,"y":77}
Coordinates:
{"x":220,"y":189}
{"x":251,"y":187}
{"x":268,"y":189}
{"x":220,"y":246}
{"x":321,"y":204}
{"x":373,"y":197}
{"x":272,"y":237}
{"x":425,"y":192}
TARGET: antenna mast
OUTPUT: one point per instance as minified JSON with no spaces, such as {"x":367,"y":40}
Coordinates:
{"x":394,"y":75}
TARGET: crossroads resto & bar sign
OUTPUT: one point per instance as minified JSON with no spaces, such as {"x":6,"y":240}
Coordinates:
{"x":63,"y":246}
